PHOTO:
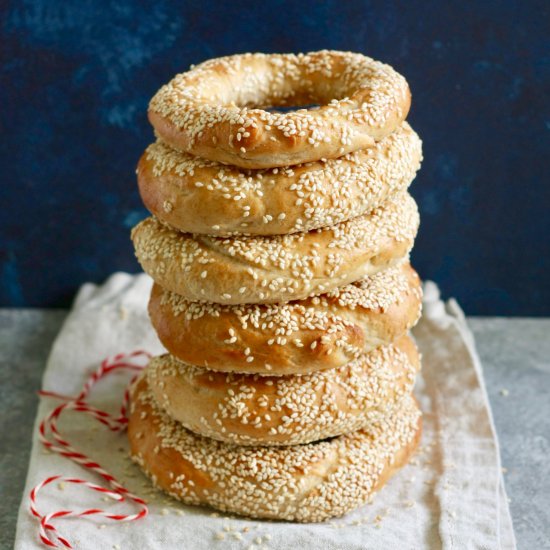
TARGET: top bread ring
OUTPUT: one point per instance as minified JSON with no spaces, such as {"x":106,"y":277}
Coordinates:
{"x":216,"y":109}
{"x":196,"y":195}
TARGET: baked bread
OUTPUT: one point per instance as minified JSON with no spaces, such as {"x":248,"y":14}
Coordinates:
{"x":307,"y":483}
{"x":260,"y":269}
{"x":200,"y":196}
{"x":291,"y":338}
{"x":217,"y":110}
{"x":247,"y":409}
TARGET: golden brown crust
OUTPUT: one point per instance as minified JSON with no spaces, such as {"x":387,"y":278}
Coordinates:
{"x":298,"y":337}
{"x":216,"y":109}
{"x":199,"y":196}
{"x":248,"y":409}
{"x":305,"y":483}
{"x":260,"y":269}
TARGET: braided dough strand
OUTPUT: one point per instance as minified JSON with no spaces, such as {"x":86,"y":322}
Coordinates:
{"x":248,"y":409}
{"x":260,"y":269}
{"x":297,"y":337}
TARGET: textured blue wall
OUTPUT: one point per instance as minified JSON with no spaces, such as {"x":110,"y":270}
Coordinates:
{"x":76,"y":77}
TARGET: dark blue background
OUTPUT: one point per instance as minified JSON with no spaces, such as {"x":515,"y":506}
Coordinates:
{"x":76,"y":77}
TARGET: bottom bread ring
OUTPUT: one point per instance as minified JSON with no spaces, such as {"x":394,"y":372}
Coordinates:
{"x":304,"y":483}
{"x":248,"y":409}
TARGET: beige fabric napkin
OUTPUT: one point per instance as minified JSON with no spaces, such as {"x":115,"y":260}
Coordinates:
{"x":450,"y":496}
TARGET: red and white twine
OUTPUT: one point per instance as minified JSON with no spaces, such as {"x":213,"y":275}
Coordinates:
{"x":52,"y":439}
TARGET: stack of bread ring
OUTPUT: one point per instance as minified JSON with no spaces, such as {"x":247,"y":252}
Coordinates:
{"x":278,"y":244}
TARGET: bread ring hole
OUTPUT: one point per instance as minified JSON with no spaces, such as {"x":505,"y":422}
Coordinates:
{"x":293,"y":108}
{"x":269,"y":87}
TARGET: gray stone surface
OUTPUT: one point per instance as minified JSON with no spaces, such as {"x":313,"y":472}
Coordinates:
{"x":25,"y":339}
{"x":516,"y":360}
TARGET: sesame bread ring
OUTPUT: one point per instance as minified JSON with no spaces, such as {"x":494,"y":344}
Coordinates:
{"x":261,"y":269}
{"x":296,"y":337}
{"x":247,"y":409}
{"x":200,"y":196}
{"x":305,"y":483}
{"x":216,"y":110}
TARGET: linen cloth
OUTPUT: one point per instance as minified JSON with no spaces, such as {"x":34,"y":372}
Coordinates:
{"x":451,"y":495}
